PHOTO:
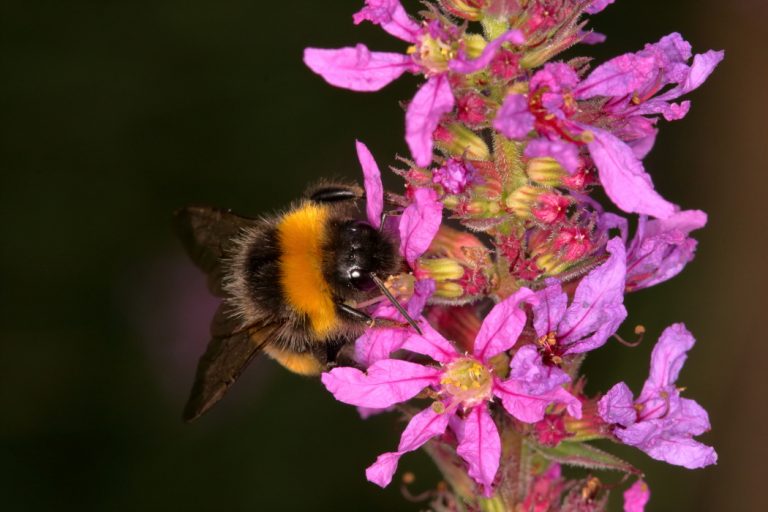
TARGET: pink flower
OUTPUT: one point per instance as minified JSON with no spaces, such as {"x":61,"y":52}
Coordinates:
{"x":593,"y":316}
{"x":636,"y":497}
{"x":619,"y":132}
{"x":464,"y":385}
{"x":660,"y":422}
{"x":454,"y":175}
{"x":359,"y":69}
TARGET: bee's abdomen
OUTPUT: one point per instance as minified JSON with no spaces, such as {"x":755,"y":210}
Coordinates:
{"x":301,"y":236}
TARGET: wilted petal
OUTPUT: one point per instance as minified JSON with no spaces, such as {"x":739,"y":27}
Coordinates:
{"x":432,"y":100}
{"x":667,"y":360}
{"x":703,"y":65}
{"x":550,"y":309}
{"x":624,"y":178}
{"x":391,"y":16}
{"x":357,"y":68}
{"x":651,"y":437}
{"x":479,"y":446}
{"x":419,"y":223}
{"x":566,"y":153}
{"x":378,"y":343}
{"x":597,"y":309}
{"x":661,"y":248}
{"x":422,"y":427}
{"x":620,"y":76}
{"x":430,"y":343}
{"x":513,"y":118}
{"x":374,"y":190}
{"x":462,"y":65}
{"x":636,"y":497}
{"x":386,"y":383}
{"x":531,"y":408}
{"x":502,"y":326}
{"x":534,"y":376}
{"x":617,"y":406}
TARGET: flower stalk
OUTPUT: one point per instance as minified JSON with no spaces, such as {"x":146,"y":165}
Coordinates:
{"x":510,"y":142}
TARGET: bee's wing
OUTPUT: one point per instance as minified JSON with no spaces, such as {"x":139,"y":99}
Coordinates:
{"x":208,"y":234}
{"x":228,"y":354}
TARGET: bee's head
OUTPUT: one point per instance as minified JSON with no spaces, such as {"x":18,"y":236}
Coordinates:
{"x":356,"y":250}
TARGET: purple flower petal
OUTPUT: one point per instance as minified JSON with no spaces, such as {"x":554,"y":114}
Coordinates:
{"x":432,"y":100}
{"x":535,"y":377}
{"x":374,"y":190}
{"x":650,"y":437}
{"x":422,"y":427}
{"x":357,"y":68}
{"x":378,"y":343}
{"x":667,"y":360}
{"x":386,"y":383}
{"x":502,"y":326}
{"x":593,"y":37}
{"x":391,"y":16}
{"x":419,"y":224}
{"x":661,"y":248}
{"x":431,"y":344}
{"x":610,"y":221}
{"x":617,"y":406}
{"x":598,"y":5}
{"x":462,"y":65}
{"x":557,"y":77}
{"x":624,"y":178}
{"x":636,"y":497}
{"x":597,"y":309}
{"x":479,"y":446}
{"x":513,"y":118}
{"x":703,"y":65}
{"x":552,"y":303}
{"x":619,"y":76}
{"x":531,"y":408}
{"x":566,"y":153}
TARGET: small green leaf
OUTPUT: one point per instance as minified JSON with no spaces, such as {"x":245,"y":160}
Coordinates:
{"x":585,"y":456}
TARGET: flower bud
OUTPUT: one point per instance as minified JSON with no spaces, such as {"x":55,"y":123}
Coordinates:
{"x":545,"y":171}
{"x":466,"y":9}
{"x":520,"y":201}
{"x":458,"y":140}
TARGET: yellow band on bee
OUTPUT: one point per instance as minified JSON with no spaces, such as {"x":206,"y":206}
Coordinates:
{"x":301,"y":235}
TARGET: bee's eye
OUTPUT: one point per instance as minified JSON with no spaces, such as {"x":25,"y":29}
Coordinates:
{"x":361,"y":280}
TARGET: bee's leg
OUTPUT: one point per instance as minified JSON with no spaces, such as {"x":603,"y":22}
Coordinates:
{"x":334,"y":194}
{"x":368,"y":319}
{"x":354,"y":313}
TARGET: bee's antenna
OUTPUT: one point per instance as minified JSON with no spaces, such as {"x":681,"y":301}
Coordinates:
{"x":395,"y":302}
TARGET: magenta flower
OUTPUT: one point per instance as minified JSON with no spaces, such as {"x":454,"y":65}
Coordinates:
{"x":454,"y":175}
{"x":462,"y":383}
{"x":636,"y":497}
{"x":595,"y":313}
{"x":632,"y":84}
{"x":359,"y":69}
{"x":660,"y":422}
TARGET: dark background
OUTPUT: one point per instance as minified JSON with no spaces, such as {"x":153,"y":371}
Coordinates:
{"x":114,"y":113}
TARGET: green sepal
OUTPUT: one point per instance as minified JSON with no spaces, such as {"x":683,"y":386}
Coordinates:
{"x":585,"y":456}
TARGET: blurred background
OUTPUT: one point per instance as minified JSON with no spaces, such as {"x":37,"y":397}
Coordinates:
{"x":115,"y":113}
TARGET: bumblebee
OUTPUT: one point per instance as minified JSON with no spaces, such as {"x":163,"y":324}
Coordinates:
{"x":290,"y":284}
